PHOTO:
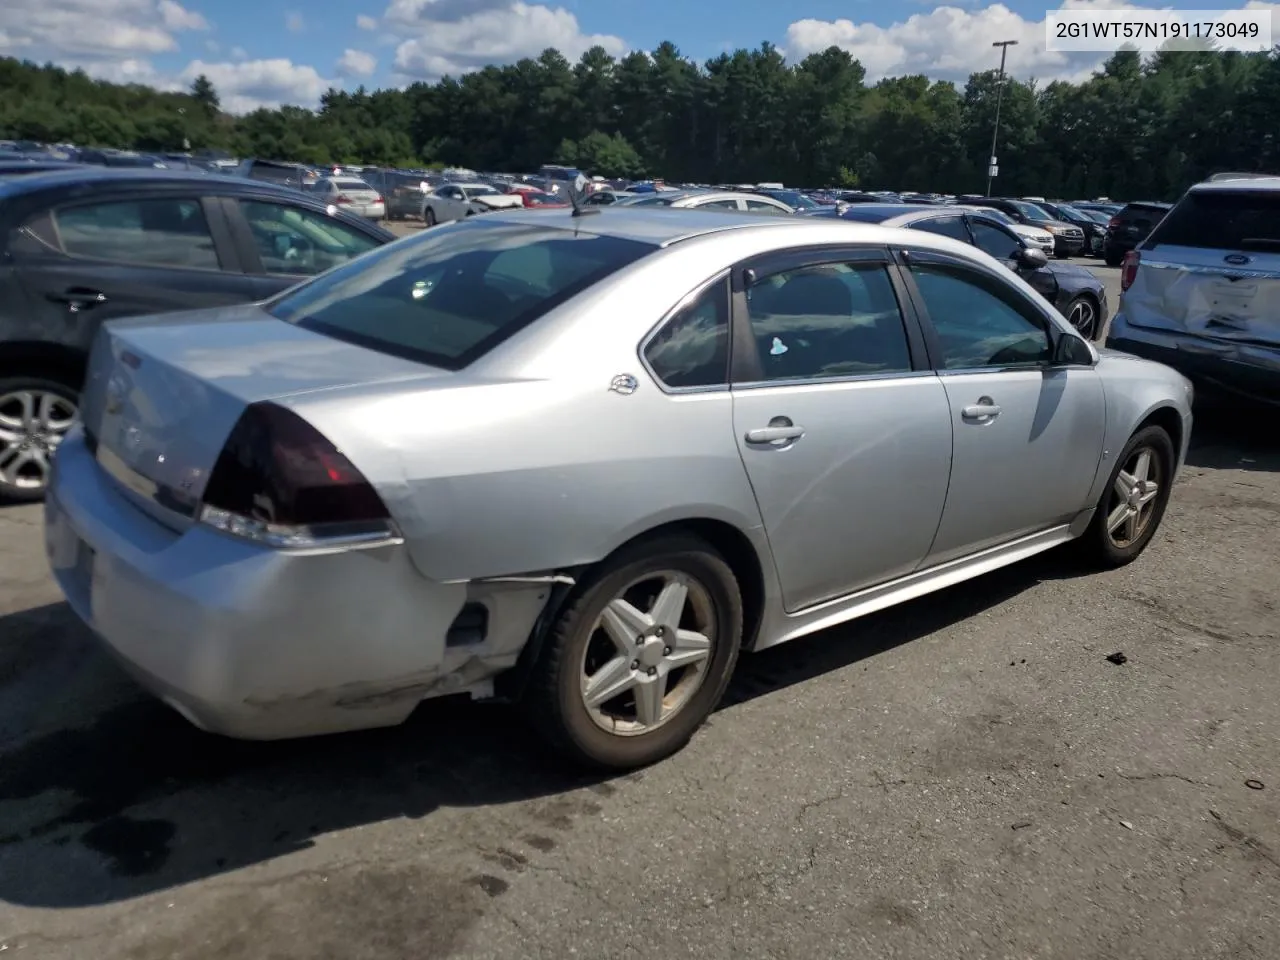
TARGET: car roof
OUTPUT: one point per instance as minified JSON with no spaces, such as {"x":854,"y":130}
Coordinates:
{"x":720,"y":195}
{"x":135,"y":175}
{"x":664,"y":226}
{"x":1250,"y":185}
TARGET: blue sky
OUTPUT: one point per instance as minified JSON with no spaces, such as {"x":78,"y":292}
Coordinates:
{"x":264,"y":52}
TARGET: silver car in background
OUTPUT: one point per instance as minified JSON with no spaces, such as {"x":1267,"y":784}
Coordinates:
{"x":351,"y":193}
{"x":582,"y":463}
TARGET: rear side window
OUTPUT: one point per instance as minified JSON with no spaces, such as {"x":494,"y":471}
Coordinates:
{"x":1220,"y":220}
{"x":167,"y":232}
{"x":692,"y":348}
{"x":952,"y":227}
{"x":458,"y":291}
{"x":828,"y":320}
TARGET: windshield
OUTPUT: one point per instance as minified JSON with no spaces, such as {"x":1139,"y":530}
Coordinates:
{"x":793,"y":198}
{"x":457,"y":291}
{"x":482,"y":191}
{"x":1221,"y":220}
{"x":1029,"y":210}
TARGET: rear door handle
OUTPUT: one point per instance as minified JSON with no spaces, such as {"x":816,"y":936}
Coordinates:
{"x":982,"y":411}
{"x":774,"y":434}
{"x":78,"y":297}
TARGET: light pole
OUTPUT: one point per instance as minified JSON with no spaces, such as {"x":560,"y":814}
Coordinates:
{"x":1004,"y":46}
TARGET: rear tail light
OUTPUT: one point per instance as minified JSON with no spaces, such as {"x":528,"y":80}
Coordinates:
{"x":1129,"y":269}
{"x":342,"y":198}
{"x":377,"y":199}
{"x":279,"y":482}
{"x":1113,"y":222}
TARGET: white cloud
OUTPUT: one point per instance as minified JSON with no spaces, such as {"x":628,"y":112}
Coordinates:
{"x":357,"y":63}
{"x":83,"y":31}
{"x":239,"y":53}
{"x":177,"y":17}
{"x":949,"y":43}
{"x":213,"y":47}
{"x":251,"y":84}
{"x":365,"y":22}
{"x":458,"y":36}
{"x":294,"y":22}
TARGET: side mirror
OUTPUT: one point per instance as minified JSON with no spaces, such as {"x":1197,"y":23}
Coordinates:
{"x":1033,"y":258}
{"x":1070,"y":351}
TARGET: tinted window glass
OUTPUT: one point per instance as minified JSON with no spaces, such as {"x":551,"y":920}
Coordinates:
{"x":692,"y":348}
{"x":833,"y":320}
{"x":977,"y":321}
{"x":759,"y":206}
{"x":1217,"y":220}
{"x":457,"y":290}
{"x":719,"y":205}
{"x":297,"y":241}
{"x":165,"y":232}
{"x":947,"y":226}
{"x":993,"y":241}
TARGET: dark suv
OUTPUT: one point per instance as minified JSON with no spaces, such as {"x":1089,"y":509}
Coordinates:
{"x":1130,"y":227}
{"x":1068,"y":239}
{"x":81,"y":246}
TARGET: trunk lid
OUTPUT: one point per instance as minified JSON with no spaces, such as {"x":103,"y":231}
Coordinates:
{"x":1211,"y":268}
{"x":499,"y":201}
{"x":163,"y":393}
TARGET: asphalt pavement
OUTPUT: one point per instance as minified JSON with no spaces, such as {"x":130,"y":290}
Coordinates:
{"x":965,"y":776}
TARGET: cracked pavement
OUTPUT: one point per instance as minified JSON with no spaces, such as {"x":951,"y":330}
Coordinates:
{"x":965,"y":776}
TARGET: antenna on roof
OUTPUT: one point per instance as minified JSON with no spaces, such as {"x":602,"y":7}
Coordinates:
{"x":575,"y":191}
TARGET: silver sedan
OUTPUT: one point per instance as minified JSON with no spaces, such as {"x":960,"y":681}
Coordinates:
{"x":582,"y":463}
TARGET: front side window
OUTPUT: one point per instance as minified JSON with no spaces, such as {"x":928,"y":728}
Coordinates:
{"x":297,"y":241}
{"x":456,"y":291}
{"x":692,"y":348}
{"x":979,"y":321}
{"x":719,"y":205}
{"x":759,"y":206}
{"x":952,"y":227}
{"x":167,"y":232}
{"x":828,"y":320}
{"x":994,"y":241}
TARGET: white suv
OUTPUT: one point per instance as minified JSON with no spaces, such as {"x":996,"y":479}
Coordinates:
{"x":1202,"y":292}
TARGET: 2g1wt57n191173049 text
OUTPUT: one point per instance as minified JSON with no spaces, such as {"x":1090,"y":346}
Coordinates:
{"x":1106,"y":31}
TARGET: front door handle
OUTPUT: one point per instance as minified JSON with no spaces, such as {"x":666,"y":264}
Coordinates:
{"x":77,"y":298}
{"x":780,"y":431}
{"x":984,"y":411}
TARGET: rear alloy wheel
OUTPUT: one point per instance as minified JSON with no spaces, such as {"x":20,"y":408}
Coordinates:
{"x":429,"y":217}
{"x":640,"y":659}
{"x":35,"y":414}
{"x":1134,"y":501}
{"x":1082,"y":313}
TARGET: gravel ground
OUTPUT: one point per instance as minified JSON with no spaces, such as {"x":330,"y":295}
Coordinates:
{"x":964,"y":776}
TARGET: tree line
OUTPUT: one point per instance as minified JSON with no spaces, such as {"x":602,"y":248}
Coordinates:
{"x":1135,"y":129}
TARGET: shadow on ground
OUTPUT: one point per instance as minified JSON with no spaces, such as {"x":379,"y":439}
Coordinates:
{"x":163,"y":804}
{"x":227,"y":804}
{"x":1231,"y":434}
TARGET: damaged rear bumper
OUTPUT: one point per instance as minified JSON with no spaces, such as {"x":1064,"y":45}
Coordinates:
{"x":1246,"y":369}
{"x":264,"y":644}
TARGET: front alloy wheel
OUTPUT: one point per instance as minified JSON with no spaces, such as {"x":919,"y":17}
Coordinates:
{"x":640,"y":656}
{"x":1083,"y":315}
{"x":1134,"y":501}
{"x":34,"y":417}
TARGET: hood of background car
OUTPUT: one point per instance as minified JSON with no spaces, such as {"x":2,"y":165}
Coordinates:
{"x":1062,"y":270}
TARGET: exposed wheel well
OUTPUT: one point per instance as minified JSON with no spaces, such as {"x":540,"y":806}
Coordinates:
{"x":732,"y":544}
{"x":1170,"y":421}
{"x":56,"y":361}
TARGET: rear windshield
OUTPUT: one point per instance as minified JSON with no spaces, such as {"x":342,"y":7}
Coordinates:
{"x":351,"y":184}
{"x":868,"y":215}
{"x":1222,"y":220}
{"x":1029,"y":210}
{"x":456,"y":292}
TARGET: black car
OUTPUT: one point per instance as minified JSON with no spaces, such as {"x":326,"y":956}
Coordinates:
{"x":1073,"y":290}
{"x":1094,"y":232}
{"x":1068,"y":239}
{"x":1130,"y":227}
{"x":401,"y":191}
{"x":81,"y":246}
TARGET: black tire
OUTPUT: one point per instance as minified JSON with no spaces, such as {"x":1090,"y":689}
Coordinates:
{"x":553,"y":699}
{"x":1112,"y":259}
{"x":1061,"y":256}
{"x":429,"y":217}
{"x":10,"y":492}
{"x":1097,"y":545}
